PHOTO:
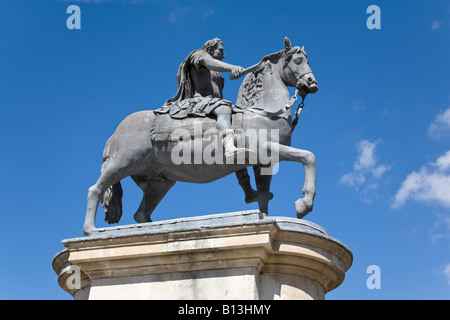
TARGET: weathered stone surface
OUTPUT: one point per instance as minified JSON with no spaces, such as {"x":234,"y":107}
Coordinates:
{"x":153,"y":141}
{"x":223,"y":256}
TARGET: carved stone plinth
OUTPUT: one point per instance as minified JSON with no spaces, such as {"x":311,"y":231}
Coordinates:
{"x":223,"y":256}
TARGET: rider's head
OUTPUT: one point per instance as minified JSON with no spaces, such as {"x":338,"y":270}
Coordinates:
{"x":215,"y":48}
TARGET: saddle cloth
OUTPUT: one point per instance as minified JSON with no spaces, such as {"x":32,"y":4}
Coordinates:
{"x":165,"y":128}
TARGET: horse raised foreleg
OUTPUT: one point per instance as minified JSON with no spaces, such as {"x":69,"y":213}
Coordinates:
{"x":304,"y":205}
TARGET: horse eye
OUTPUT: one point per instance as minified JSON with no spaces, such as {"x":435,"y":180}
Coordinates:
{"x":298,"y":60}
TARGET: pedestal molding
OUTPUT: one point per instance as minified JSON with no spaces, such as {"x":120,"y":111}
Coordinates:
{"x":229,"y":248}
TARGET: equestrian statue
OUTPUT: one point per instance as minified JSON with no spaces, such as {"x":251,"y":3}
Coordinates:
{"x":199,"y":137}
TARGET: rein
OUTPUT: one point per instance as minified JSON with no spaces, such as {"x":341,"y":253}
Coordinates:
{"x":288,"y":104}
{"x":282,"y":110}
{"x":297,"y":114}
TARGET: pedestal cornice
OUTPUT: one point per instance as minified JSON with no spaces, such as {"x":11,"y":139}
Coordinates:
{"x":272,"y":250}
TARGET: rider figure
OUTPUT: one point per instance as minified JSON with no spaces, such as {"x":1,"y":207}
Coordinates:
{"x":199,"y":93}
{"x":200,"y":87}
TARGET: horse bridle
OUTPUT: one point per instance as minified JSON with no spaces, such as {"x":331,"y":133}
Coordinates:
{"x":282,"y":110}
{"x":288,"y":104}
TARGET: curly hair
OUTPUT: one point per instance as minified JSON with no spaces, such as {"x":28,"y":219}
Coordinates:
{"x":211,"y":44}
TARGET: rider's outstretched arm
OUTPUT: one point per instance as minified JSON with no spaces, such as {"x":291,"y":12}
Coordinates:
{"x":216,"y":65}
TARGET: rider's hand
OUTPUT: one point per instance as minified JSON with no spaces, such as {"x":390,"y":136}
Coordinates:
{"x":237,"y":72}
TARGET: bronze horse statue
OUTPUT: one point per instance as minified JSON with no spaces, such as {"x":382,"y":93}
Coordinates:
{"x":154,"y":164}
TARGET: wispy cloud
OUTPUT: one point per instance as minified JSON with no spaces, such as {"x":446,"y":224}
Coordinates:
{"x":366,"y":172}
{"x":440,"y":127}
{"x":431,"y":184}
{"x":441,"y":229}
{"x":442,"y":271}
{"x":178,"y":14}
{"x":208,"y":13}
{"x":108,"y":1}
{"x":358,"y":105}
{"x":436,"y":24}
{"x":447,"y":273}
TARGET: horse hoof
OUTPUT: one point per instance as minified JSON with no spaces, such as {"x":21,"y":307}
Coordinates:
{"x":140,"y":217}
{"x":87,"y":230}
{"x":302,"y":208}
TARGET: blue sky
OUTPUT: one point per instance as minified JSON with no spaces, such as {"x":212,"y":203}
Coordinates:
{"x":379,"y":126}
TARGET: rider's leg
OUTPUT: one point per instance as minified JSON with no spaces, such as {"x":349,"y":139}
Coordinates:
{"x":223,"y":114}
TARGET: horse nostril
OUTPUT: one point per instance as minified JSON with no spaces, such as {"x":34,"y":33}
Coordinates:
{"x":310,"y":79}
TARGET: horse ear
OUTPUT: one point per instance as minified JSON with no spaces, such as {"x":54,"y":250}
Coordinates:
{"x":287,"y":43}
{"x":303,"y":48}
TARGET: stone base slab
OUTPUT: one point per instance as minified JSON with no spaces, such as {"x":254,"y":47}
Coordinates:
{"x":223,"y":256}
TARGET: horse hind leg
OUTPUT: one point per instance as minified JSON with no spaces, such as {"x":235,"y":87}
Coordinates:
{"x":111,"y":174}
{"x":154,"y":191}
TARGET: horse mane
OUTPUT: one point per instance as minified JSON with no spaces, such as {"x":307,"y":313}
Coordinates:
{"x":252,"y":86}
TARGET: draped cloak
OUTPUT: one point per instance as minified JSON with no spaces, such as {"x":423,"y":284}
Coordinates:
{"x":187,"y":102}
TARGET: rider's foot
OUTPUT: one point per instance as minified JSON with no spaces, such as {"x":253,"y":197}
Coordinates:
{"x":230,"y":150}
{"x":231,"y":153}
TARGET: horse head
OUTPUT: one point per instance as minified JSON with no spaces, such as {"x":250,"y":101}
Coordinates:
{"x":295,"y":70}
{"x":292,"y":69}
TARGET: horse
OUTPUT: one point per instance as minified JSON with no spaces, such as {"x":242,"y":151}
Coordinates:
{"x":264,"y":102}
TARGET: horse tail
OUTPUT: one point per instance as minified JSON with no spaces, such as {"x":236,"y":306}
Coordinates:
{"x":112,"y":203}
{"x":112,"y":198}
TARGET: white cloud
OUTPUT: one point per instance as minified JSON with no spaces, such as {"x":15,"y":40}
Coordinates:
{"x":380,"y":170}
{"x":366,"y":159}
{"x":447,"y":272}
{"x":441,"y":125}
{"x":443,"y":270}
{"x":430,"y":184}
{"x":366,"y":173}
{"x":443,"y":162}
{"x":365,"y":166}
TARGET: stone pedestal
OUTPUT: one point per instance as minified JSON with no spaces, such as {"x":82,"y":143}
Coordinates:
{"x":223,"y":256}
